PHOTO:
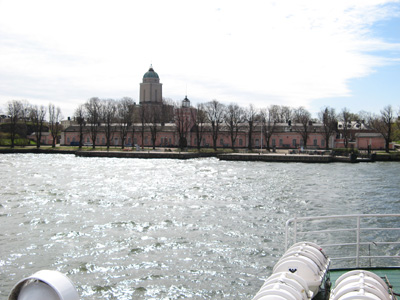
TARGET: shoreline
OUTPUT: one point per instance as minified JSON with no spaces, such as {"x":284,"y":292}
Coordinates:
{"x":152,"y":154}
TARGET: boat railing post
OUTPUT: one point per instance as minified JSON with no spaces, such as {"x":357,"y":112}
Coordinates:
{"x":358,"y":242}
{"x":287,"y":237}
{"x":286,"y":234}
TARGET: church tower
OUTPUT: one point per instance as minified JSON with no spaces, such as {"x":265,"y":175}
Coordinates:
{"x":150,"y":88}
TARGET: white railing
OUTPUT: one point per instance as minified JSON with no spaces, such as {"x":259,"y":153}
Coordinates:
{"x":359,"y":240}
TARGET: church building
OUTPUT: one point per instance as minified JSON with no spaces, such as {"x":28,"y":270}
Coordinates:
{"x":150,"y":88}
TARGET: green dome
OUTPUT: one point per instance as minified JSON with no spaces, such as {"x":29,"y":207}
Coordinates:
{"x":150,"y":74}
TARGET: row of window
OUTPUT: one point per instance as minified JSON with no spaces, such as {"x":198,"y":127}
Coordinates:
{"x":222,"y":143}
{"x":103,"y":140}
{"x":256,"y":142}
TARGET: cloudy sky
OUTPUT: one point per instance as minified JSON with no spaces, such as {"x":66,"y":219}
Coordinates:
{"x":314,"y":53}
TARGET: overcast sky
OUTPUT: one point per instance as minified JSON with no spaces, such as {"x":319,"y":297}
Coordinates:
{"x":339,"y":53}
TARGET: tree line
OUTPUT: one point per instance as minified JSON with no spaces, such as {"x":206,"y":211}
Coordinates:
{"x":106,"y":115}
{"x":212,"y":117}
{"x":25,"y":119}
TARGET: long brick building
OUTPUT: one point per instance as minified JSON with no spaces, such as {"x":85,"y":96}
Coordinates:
{"x":170,"y":134}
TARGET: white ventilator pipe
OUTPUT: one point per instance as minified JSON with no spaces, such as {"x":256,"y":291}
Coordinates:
{"x":44,"y":285}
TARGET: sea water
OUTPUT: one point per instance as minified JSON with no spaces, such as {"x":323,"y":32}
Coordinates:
{"x":169,"y":229}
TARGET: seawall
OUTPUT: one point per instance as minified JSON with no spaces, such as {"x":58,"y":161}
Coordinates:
{"x":36,"y":151}
{"x":144,"y":154}
{"x":266,"y":157}
{"x":281,"y":158}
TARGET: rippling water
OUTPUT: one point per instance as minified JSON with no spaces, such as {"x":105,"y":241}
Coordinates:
{"x":168,"y":229}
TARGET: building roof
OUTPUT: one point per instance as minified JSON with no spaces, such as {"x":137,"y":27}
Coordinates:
{"x":186,"y":102}
{"x":368,"y":135}
{"x":150,"y":73}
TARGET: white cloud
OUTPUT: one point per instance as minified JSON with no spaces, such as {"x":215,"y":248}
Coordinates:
{"x":260,"y":52}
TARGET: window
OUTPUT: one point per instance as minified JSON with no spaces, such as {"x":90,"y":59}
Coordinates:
{"x":257,"y":144}
{"x":322,"y":143}
{"x":273,"y":142}
{"x":315,"y":142}
{"x":280,"y":142}
{"x":145,"y":140}
{"x":103,"y":141}
{"x":221,"y":142}
{"x":67,"y":140}
{"x":294,"y":143}
{"x":116,"y":141}
{"x":240,"y":142}
{"x":88,"y":140}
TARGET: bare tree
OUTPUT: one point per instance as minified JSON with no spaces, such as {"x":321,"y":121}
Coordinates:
{"x":143,"y":116}
{"x":274,"y":111}
{"x":215,"y":112}
{"x":268,"y":124}
{"x":183,"y":122}
{"x":346,"y":118}
{"x":384,"y":125}
{"x":286,"y":114}
{"x":234,"y":119}
{"x":154,"y":122}
{"x":304,"y":124}
{"x":80,"y":118}
{"x":250,"y":116}
{"x":54,"y":123}
{"x":25,"y":116}
{"x":329,"y":122}
{"x":15,"y":111}
{"x":93,"y":111}
{"x":364,"y":117}
{"x":398,"y":126}
{"x":167,"y":111}
{"x":125,"y":116}
{"x":38,"y":115}
{"x":108,"y":110}
{"x":199,"y":117}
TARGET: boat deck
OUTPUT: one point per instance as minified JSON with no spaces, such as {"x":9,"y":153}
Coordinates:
{"x":389,"y":275}
{"x":354,"y":242}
